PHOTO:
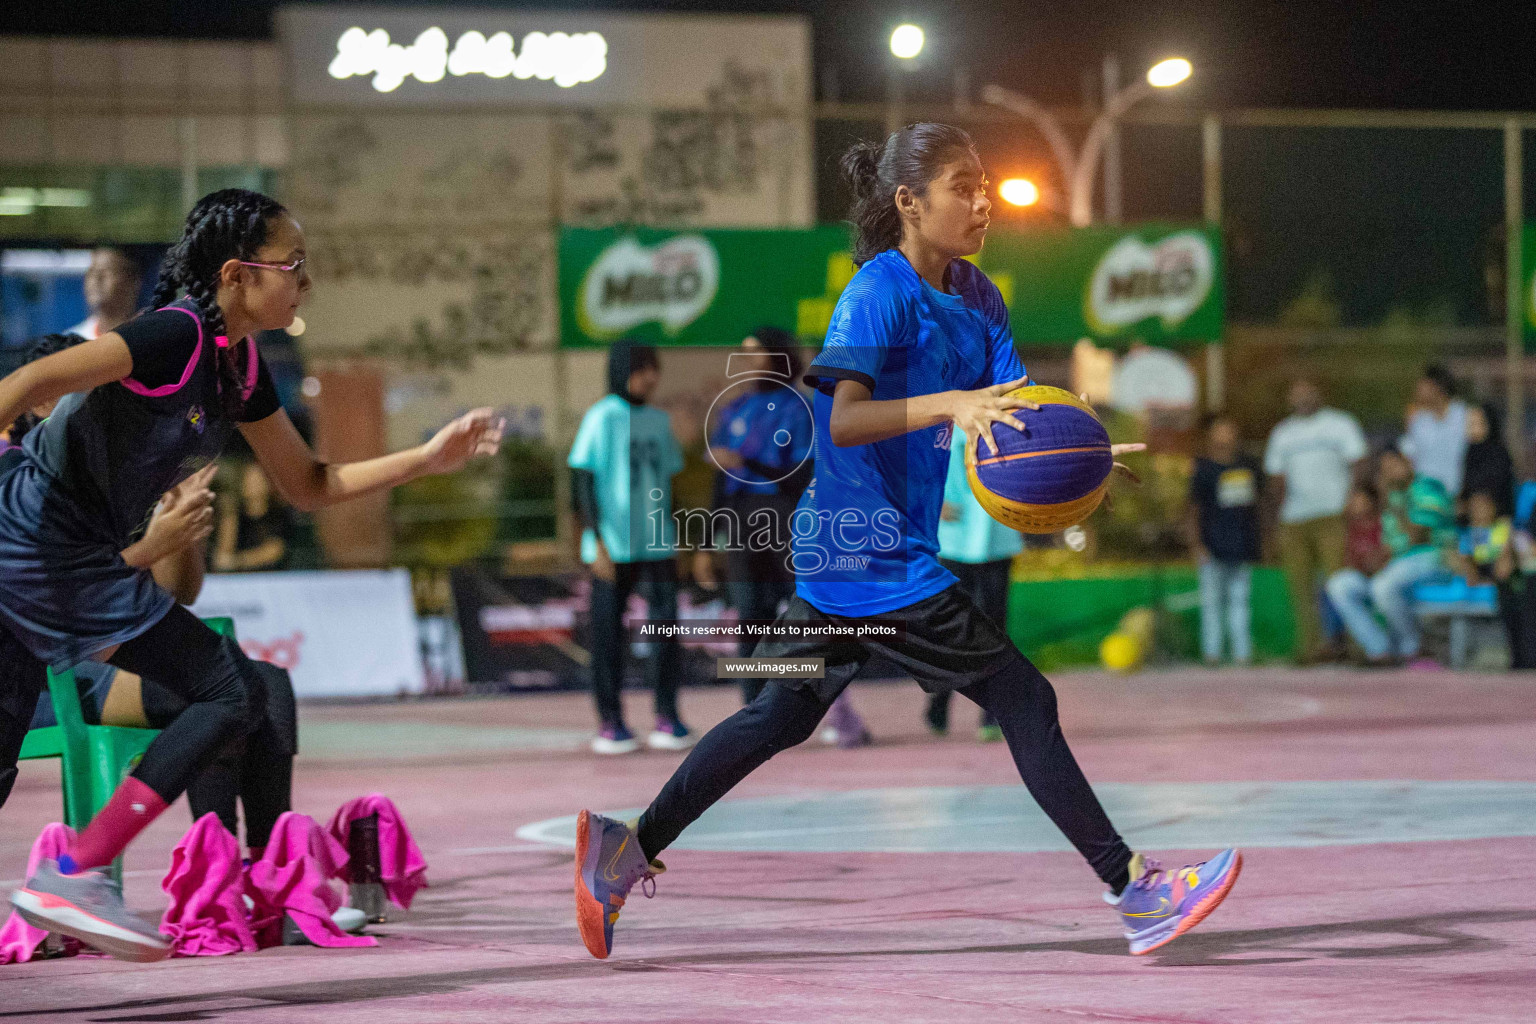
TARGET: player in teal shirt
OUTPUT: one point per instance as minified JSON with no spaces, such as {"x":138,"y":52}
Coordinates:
{"x":979,"y":550}
{"x":622,"y":463}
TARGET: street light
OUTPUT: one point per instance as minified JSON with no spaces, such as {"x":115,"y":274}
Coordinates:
{"x":907,"y":41}
{"x":1169,"y":72}
{"x":1078,"y":171}
{"x":1019,"y":192}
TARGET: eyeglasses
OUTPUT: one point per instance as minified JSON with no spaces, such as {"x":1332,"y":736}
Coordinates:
{"x":293,"y":267}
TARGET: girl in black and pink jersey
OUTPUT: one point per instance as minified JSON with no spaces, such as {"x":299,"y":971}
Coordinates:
{"x":139,"y":410}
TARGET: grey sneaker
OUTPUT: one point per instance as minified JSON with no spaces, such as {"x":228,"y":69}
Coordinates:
{"x":88,"y":906}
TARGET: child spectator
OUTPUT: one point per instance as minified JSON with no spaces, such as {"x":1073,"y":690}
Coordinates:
{"x":1224,"y":508}
{"x":1488,"y":552}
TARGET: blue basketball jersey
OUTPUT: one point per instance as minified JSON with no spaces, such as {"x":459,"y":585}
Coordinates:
{"x":771,"y":428}
{"x":866,"y":530}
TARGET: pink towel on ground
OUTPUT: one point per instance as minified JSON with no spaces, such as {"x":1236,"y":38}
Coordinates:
{"x":19,"y":940}
{"x":403,"y":869}
{"x":206,"y":916}
{"x":293,"y":877}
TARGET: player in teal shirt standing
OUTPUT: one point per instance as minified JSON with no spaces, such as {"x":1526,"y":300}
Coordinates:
{"x":622,"y":463}
{"x":979,"y":550}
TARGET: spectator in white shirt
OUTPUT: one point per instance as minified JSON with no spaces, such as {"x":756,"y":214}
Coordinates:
{"x":111,"y":292}
{"x":1311,"y":456}
{"x":1436,"y":441}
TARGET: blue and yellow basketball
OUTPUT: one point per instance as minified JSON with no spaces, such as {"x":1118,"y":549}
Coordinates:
{"x":1050,"y":476}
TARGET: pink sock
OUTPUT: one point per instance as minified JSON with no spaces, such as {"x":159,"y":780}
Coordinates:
{"x":132,"y":807}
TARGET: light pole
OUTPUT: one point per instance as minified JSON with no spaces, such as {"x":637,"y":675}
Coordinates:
{"x":906,"y":43}
{"x":1077,"y":172}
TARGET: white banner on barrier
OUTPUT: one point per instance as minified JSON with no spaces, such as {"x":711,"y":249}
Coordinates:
{"x":341,"y":634}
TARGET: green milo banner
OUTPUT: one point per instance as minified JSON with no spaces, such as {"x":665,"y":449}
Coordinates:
{"x":1157,"y":283}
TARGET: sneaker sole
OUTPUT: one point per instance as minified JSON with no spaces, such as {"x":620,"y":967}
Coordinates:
{"x":55,"y":914}
{"x":1202,"y":909}
{"x":589,"y":912}
{"x":610,"y":748}
{"x":668,"y":742}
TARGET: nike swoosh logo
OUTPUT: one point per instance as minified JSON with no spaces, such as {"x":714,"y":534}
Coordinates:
{"x":613,"y":876}
{"x":1163,"y":911}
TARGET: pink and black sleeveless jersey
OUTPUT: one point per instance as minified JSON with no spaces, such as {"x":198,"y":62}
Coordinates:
{"x":113,"y":451}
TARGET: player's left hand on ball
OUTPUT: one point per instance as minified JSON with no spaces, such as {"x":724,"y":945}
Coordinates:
{"x":475,"y":433}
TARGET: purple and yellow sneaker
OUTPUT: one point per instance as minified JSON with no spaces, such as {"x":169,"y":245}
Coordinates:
{"x":609,"y":862}
{"x":1159,"y":906}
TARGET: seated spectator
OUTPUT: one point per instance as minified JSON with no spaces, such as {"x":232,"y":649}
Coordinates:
{"x":253,"y":528}
{"x":258,"y":770}
{"x":1417,"y":526}
{"x":1363,"y":552}
{"x":1363,"y":549}
{"x":1490,"y":551}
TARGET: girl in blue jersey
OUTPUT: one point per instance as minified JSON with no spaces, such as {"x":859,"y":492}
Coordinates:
{"x":139,"y":410}
{"x":919,"y":345}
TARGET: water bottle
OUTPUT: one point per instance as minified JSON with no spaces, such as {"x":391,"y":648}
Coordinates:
{"x":367,"y":888}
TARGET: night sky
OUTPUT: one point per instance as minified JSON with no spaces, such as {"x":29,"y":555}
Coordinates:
{"x":1389,"y":223}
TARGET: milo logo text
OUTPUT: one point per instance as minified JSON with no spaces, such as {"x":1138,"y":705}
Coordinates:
{"x":1135,"y":281}
{"x":630,"y":284}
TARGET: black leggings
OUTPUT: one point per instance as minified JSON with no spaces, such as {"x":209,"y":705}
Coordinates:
{"x":256,"y":770}
{"x":22,"y":679}
{"x":657,"y":583}
{"x":225,"y":695}
{"x":1018,"y":696}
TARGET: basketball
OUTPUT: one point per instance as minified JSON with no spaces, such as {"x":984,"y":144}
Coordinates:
{"x":1048,"y":477}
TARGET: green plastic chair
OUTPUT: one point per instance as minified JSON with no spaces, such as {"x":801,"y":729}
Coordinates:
{"x":96,"y":757}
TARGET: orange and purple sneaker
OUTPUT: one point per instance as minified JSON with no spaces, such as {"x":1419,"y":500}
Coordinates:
{"x":609,"y":862}
{"x":1160,"y":905}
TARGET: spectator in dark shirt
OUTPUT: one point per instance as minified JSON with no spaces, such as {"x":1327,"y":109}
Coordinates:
{"x":253,"y":528}
{"x":1224,"y":526}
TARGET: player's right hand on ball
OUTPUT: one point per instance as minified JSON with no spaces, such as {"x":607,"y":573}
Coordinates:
{"x":975,"y":411}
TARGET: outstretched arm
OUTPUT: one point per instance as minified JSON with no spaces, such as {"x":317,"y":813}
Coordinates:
{"x":306,"y":483}
{"x":81,"y":368}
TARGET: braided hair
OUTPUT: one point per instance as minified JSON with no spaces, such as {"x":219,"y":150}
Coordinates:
{"x":228,"y":224}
